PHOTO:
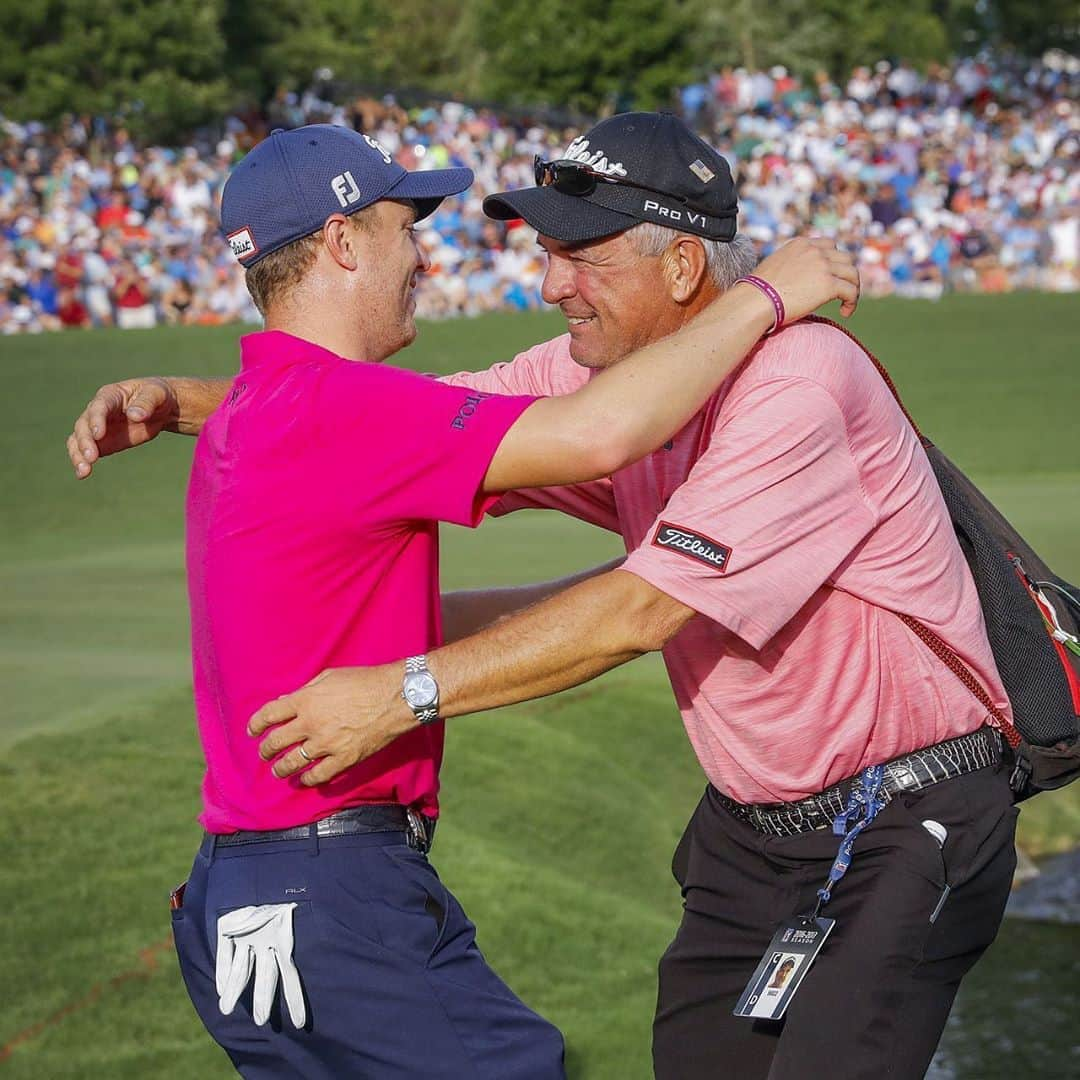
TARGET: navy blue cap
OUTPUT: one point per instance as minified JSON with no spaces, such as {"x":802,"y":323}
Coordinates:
{"x":290,"y":183}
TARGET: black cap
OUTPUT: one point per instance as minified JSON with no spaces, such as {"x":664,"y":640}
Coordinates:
{"x":691,"y":185}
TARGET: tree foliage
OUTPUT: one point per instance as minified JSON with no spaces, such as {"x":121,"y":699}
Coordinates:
{"x":755,"y":35}
{"x":158,"y":63}
{"x":272,"y":43}
{"x":878,"y":29}
{"x":167,"y":65}
{"x":1030,"y":26}
{"x":583,"y":54}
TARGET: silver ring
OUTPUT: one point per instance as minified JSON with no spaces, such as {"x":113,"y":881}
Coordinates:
{"x":305,"y":755}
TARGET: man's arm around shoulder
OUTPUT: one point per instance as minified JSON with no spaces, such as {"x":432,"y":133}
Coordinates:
{"x":130,"y":413}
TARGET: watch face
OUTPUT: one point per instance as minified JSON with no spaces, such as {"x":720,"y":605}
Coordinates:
{"x":420,"y":690}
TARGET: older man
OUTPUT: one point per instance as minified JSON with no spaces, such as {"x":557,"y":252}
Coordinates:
{"x":312,"y":543}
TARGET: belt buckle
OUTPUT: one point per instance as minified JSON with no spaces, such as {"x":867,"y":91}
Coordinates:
{"x":904,"y":775}
{"x":417,"y":833}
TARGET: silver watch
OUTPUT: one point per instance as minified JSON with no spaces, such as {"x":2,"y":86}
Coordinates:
{"x":420,"y":690}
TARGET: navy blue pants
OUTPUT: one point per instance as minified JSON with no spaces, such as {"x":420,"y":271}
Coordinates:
{"x":395,"y":984}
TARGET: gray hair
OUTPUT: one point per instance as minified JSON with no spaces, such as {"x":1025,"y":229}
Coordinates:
{"x":727,"y":261}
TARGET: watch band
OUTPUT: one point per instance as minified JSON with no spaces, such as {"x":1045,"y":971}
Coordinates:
{"x":417,"y":665}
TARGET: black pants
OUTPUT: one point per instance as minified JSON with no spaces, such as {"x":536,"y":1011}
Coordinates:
{"x":876,"y":999}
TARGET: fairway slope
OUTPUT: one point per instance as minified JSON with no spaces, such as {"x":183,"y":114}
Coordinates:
{"x":560,"y":816}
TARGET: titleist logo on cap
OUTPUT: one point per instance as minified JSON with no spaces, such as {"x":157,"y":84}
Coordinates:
{"x":693,"y":545}
{"x":580,"y":150}
{"x":242,"y":243}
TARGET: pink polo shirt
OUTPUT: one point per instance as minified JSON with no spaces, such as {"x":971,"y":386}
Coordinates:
{"x":797,"y":513}
{"x":312,"y":542}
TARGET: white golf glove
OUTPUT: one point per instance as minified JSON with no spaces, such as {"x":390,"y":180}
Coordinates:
{"x":259,"y":938}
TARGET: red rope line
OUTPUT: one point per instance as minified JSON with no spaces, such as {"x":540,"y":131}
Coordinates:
{"x":147,"y":966}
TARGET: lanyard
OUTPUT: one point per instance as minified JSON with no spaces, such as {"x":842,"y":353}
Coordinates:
{"x":862,"y":807}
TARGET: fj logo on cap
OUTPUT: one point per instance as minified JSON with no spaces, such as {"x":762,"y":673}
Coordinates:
{"x":693,"y":545}
{"x":242,"y":243}
{"x":702,"y":171}
{"x":345,"y":189}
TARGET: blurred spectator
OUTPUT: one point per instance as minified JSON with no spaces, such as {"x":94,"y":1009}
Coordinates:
{"x":963,"y":178}
{"x":177,"y":301}
{"x":41,"y":292}
{"x":132,"y":298}
{"x":98,"y":287}
{"x":72,"y":311}
{"x":938,"y":181}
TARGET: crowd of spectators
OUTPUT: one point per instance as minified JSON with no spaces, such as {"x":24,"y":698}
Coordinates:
{"x":962,"y":178}
{"x":959,"y":178}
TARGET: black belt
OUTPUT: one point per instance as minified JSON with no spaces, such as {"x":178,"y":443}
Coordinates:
{"x":912,"y":772}
{"x":418,"y":828}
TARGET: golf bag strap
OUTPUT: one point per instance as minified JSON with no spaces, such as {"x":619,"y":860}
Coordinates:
{"x":944,"y":653}
{"x":936,"y":645}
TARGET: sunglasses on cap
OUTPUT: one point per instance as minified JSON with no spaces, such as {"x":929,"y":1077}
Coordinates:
{"x":576,"y":178}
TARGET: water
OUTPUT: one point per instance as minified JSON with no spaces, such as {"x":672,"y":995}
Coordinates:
{"x":1016,"y":1014}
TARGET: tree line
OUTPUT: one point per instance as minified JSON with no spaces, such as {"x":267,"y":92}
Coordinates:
{"x":167,"y":66}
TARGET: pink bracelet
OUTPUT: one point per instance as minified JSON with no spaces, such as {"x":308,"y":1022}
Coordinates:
{"x":773,"y":295}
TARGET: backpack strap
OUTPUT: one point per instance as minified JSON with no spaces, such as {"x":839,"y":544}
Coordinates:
{"x":933,"y":641}
{"x":957,"y":666}
{"x":880,"y":369}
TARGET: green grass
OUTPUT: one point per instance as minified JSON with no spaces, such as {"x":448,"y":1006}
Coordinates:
{"x":560,"y":815}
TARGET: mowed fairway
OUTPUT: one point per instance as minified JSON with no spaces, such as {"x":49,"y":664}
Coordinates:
{"x":559,"y":816}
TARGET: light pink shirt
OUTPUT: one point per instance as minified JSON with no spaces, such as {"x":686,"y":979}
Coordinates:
{"x":312,"y":543}
{"x":797,"y":513}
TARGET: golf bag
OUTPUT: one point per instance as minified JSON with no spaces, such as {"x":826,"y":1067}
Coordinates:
{"x":1032,"y":621}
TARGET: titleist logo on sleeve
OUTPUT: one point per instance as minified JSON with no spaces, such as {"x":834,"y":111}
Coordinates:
{"x":693,"y":545}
